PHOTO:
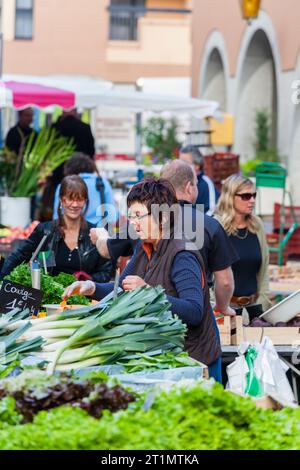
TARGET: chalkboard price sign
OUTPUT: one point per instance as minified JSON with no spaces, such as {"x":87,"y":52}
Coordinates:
{"x":14,"y":295}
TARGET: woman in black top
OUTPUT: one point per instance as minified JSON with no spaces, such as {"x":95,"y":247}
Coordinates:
{"x":68,"y":238}
{"x":235,"y":212}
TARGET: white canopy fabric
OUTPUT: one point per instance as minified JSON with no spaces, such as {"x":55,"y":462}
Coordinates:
{"x":92,"y":93}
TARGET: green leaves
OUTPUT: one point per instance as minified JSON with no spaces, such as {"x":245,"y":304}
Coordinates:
{"x":52,"y":286}
{"x":42,"y":155}
{"x":137,"y":321}
{"x":188,"y":416}
{"x":161,"y":136}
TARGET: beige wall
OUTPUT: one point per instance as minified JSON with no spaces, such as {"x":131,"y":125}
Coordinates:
{"x":171,"y":37}
{"x":210,"y":15}
{"x":61,"y":43}
{"x":8,"y":19}
{"x":72,"y":38}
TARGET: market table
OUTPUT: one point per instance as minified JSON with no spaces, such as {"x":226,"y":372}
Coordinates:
{"x":230,"y":352}
{"x":284,"y":290}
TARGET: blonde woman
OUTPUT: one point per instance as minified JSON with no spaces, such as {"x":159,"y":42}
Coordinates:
{"x":246,"y":232}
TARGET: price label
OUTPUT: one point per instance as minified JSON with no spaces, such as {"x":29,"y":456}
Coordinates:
{"x":14,"y":295}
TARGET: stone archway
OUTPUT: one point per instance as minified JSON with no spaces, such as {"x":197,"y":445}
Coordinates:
{"x":256,"y":90}
{"x":214,"y":80}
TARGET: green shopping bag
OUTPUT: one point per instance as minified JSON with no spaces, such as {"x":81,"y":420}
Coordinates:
{"x":253,"y":385}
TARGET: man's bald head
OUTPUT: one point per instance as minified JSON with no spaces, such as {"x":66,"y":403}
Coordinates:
{"x":183,"y":178}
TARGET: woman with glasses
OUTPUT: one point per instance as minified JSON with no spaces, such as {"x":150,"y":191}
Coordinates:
{"x":164,"y":257}
{"x":67,"y":245}
{"x":246,"y":232}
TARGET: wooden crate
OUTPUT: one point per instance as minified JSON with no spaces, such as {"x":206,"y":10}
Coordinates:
{"x":280,"y":336}
{"x":233,"y":333}
{"x":231,"y":330}
{"x":219,"y":166}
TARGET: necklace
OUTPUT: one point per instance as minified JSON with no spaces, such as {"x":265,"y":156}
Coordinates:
{"x":244,"y":236}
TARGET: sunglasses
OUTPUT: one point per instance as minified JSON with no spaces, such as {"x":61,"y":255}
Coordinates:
{"x":247,"y":196}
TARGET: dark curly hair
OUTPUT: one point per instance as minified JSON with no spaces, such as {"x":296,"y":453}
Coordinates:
{"x":154,"y":191}
{"x":79,"y":163}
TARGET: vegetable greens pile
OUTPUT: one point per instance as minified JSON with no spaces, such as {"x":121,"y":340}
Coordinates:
{"x":51,"y":286}
{"x":34,"y":391}
{"x":189,"y":416}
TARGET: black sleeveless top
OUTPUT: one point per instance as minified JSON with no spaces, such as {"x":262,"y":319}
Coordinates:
{"x":245,"y":270}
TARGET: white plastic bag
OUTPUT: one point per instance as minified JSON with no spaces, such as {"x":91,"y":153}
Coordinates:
{"x":269,"y":369}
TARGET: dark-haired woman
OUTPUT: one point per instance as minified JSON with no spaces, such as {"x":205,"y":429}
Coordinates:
{"x":67,"y":238}
{"x":161,"y":258}
{"x":100,"y":192}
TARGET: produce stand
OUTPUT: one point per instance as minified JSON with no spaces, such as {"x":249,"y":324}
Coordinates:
{"x":13,"y":238}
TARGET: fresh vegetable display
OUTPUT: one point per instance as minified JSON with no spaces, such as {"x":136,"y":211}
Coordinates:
{"x":33,"y":392}
{"x":261,"y":323}
{"x":160,"y":362}
{"x":136,"y":322}
{"x":188,"y":416}
{"x":52,"y":286}
{"x":8,"y":235}
{"x":14,"y":345}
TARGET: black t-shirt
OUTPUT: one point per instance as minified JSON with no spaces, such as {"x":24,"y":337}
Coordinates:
{"x":216,"y":248}
{"x":217,"y":251}
{"x":246,"y":268}
{"x":121,"y":244}
{"x":15,"y":136}
{"x":67,"y":260}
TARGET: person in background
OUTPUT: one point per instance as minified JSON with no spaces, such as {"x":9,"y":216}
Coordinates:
{"x":207,"y":192}
{"x":246,"y":232}
{"x":67,"y":238}
{"x":70,"y":126}
{"x":18,"y":135}
{"x":217,"y":251}
{"x":162,"y":259}
{"x":99,"y":190}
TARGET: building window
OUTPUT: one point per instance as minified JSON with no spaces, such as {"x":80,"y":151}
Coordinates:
{"x":24,"y":19}
{"x":124,"y":19}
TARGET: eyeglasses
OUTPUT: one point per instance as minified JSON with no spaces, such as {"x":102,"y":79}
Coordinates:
{"x":68,"y":202}
{"x":138,"y":218}
{"x":247,"y":196}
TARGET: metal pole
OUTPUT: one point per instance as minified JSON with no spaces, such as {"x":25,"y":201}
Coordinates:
{"x":1,"y":55}
{"x":139,"y":137}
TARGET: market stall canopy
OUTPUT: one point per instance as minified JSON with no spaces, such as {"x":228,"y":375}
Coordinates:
{"x":20,"y":95}
{"x":22,"y":91}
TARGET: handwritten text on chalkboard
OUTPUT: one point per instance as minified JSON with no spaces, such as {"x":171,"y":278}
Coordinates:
{"x":14,"y":295}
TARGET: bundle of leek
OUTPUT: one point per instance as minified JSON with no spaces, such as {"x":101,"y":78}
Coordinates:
{"x":136,"y":322}
{"x":11,"y":345}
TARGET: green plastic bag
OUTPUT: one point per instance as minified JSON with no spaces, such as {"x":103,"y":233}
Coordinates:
{"x":253,"y":385}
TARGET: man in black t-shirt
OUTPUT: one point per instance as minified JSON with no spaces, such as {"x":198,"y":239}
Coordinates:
{"x":217,"y":251}
{"x":18,"y":135}
{"x":69,"y":125}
